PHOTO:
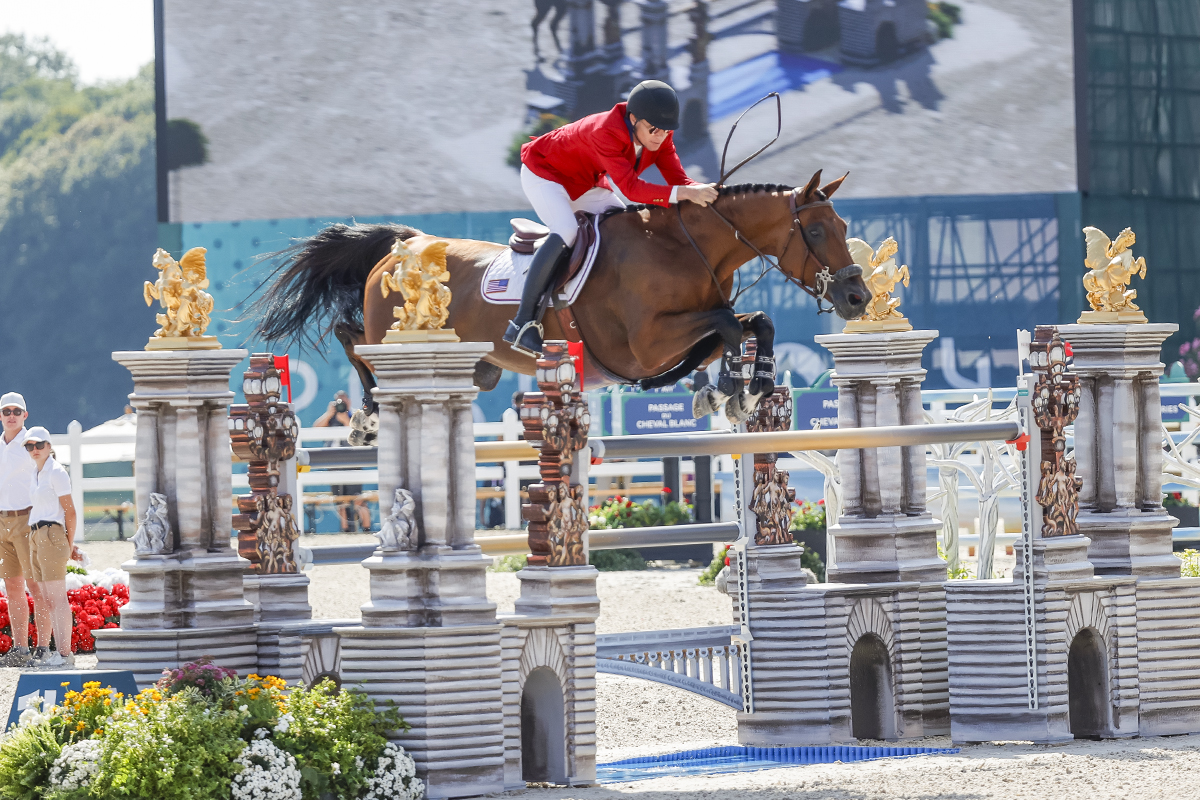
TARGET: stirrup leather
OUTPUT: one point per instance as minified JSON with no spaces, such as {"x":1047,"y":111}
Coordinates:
{"x":516,"y":345}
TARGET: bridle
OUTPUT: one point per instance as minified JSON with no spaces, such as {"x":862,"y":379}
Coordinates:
{"x":823,"y":277}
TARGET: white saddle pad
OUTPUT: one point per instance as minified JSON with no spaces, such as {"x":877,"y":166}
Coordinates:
{"x":505,"y":276}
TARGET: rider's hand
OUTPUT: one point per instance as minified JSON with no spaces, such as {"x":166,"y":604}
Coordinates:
{"x":701,"y":193}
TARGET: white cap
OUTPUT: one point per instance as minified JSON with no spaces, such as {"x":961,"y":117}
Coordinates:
{"x":13,"y":399}
{"x":37,"y":434}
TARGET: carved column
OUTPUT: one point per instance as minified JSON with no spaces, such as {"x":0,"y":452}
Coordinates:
{"x":1118,"y":443}
{"x":654,"y":40}
{"x":264,"y":432}
{"x":429,"y":617}
{"x":186,"y":594}
{"x":885,"y":532}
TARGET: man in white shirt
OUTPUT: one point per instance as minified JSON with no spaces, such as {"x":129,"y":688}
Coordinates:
{"x":51,"y":544}
{"x":16,"y":471}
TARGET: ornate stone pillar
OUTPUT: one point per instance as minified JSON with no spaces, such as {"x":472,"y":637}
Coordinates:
{"x":1118,"y":444}
{"x":186,"y":594}
{"x":885,"y":532}
{"x":429,"y":618}
{"x":654,"y":40}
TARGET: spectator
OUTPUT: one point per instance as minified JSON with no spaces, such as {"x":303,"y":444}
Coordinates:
{"x":16,"y":472}
{"x":51,"y":545}
{"x":338,"y":415}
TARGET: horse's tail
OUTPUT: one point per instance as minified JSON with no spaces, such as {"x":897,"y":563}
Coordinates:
{"x":319,"y":282}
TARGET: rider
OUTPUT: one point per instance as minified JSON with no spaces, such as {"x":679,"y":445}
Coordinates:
{"x":593,"y":165}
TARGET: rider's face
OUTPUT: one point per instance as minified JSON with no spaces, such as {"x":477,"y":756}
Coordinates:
{"x":647,"y":135}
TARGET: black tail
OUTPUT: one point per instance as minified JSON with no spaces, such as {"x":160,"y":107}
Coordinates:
{"x":318,"y":282}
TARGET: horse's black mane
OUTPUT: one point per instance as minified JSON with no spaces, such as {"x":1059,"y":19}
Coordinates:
{"x":737,"y":188}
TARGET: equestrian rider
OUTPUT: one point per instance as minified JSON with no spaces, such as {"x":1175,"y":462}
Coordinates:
{"x":593,"y":165}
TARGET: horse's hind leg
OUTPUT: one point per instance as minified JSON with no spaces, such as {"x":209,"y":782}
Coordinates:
{"x":487,"y":375}
{"x":365,"y":420}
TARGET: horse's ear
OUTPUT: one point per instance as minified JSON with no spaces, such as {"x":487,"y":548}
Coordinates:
{"x":831,"y":187}
{"x":812,"y":185}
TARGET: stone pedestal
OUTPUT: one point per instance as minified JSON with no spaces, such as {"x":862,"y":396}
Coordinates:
{"x":885,"y":532}
{"x":278,"y":600}
{"x":429,"y":639}
{"x":552,"y":636}
{"x":194,"y":583}
{"x":1118,"y":447}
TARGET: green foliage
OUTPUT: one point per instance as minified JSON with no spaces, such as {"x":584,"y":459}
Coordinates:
{"x":616,"y":560}
{"x":808,"y":516}
{"x":187,"y":146}
{"x":959,"y":573}
{"x":544,"y":124}
{"x":178,"y":749}
{"x":1175,"y":500}
{"x":328,"y":727}
{"x":621,"y":512}
{"x":71,"y":568}
{"x":25,"y":760}
{"x":1191,"y":563}
{"x":811,"y":559}
{"x":509,"y":564}
{"x":945,"y":16}
{"x":709,"y":576}
{"x":77,"y":203}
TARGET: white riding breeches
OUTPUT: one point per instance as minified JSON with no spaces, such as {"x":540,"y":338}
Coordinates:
{"x":556,"y":208}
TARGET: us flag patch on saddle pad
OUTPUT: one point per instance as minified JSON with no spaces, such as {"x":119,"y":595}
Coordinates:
{"x":505,"y":276}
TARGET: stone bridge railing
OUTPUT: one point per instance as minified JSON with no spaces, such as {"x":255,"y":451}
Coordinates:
{"x":699,"y":660}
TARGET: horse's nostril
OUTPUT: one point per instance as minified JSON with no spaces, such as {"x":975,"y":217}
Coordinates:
{"x":855,"y":299}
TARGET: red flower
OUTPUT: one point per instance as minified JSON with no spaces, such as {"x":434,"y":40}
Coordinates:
{"x":1177,"y":495}
{"x":727,"y":561}
{"x":666,"y":490}
{"x":821,"y":502}
{"x":6,"y":642}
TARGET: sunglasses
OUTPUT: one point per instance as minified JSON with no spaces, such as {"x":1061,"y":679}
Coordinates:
{"x":31,"y":446}
{"x":11,"y":412}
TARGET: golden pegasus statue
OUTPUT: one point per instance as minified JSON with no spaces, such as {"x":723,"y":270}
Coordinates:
{"x":881,"y":275}
{"x":1111,"y":266}
{"x":419,"y":276}
{"x":179,"y":290}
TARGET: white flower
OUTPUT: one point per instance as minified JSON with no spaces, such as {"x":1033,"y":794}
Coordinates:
{"x":261,"y":733}
{"x":268,"y":773}
{"x":76,"y":765}
{"x":394,"y":777}
{"x":32,"y":715}
{"x":244,"y":709}
{"x":337,"y":768}
{"x":285,"y":722}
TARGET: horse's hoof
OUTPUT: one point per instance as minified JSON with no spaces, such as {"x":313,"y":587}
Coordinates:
{"x":707,"y":401}
{"x":741,"y":406}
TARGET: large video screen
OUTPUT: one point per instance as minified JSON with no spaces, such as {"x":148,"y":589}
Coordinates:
{"x":401,"y":107}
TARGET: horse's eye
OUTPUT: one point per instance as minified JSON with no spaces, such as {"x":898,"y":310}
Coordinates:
{"x":816,"y":231}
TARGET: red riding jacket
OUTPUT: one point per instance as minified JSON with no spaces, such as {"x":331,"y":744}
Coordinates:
{"x":600,"y":148}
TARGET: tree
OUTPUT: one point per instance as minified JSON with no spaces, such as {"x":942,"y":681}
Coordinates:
{"x":77,"y":230}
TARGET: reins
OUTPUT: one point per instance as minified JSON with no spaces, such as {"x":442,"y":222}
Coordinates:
{"x":822,"y":277}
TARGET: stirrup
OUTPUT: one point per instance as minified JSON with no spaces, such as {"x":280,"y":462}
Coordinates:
{"x":518,"y":343}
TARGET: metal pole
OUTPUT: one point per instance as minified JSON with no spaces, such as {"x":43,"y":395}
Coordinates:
{"x":512,"y":482}
{"x":75,"y":440}
{"x":672,"y":481}
{"x":702,"y":501}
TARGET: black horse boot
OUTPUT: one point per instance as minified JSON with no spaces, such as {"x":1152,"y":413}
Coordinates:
{"x":525,"y":331}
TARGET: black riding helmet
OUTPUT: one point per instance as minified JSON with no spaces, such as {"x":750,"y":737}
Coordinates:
{"x":655,"y":102}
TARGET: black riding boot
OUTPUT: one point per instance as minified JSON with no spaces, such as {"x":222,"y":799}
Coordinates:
{"x":524,"y":331}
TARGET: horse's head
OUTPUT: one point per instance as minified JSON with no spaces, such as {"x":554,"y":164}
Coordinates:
{"x":819,"y":243}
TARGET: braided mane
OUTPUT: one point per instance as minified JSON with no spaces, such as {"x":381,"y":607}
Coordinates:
{"x":722,"y":191}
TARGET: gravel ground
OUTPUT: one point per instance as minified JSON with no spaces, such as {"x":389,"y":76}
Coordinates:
{"x":639,"y":718}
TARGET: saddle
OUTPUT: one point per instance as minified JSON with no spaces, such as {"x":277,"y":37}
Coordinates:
{"x":528,"y":235}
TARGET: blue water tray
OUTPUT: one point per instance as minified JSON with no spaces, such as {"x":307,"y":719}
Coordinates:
{"x":716,"y":760}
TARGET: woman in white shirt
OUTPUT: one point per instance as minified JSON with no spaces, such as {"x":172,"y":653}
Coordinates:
{"x":52,"y":524}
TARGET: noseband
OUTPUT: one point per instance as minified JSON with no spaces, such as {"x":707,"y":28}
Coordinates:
{"x":823,"y":276}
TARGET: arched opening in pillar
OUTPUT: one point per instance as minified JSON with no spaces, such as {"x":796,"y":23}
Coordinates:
{"x":887,"y":44}
{"x":872,"y":707}
{"x":1087,"y":685}
{"x":822,"y":28}
{"x":543,"y":729}
{"x":694,"y":125}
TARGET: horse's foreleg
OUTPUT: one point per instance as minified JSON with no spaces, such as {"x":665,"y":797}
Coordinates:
{"x":560,"y":11}
{"x":759,"y":326}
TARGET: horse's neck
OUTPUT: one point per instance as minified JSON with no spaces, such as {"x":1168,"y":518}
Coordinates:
{"x":756,"y":217}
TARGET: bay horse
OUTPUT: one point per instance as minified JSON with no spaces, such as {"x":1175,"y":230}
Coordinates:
{"x":655,"y":307}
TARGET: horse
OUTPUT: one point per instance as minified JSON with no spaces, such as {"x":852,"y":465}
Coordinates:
{"x":542,"y":10}
{"x":655,"y":307}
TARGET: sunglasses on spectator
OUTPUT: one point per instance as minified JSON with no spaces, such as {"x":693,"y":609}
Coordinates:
{"x":11,"y":412}
{"x":31,"y":446}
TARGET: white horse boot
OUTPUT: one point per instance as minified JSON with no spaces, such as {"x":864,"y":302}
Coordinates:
{"x":364,"y":428}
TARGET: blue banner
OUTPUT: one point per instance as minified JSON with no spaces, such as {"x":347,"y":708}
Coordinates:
{"x":653,"y":412}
